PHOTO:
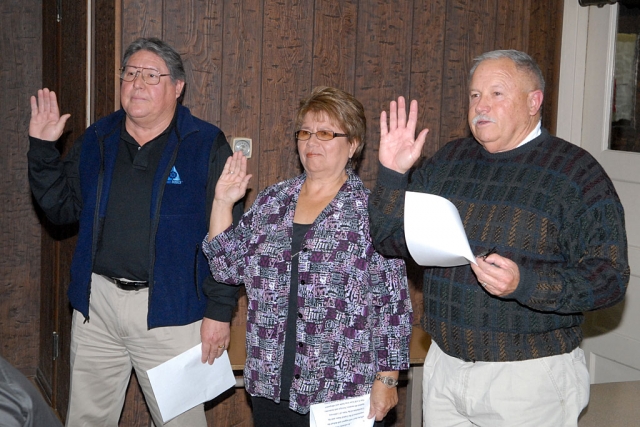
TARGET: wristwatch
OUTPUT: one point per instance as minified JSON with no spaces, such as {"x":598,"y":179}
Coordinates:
{"x":388,"y":381}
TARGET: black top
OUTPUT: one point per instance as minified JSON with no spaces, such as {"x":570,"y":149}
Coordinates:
{"x":123,"y":250}
{"x":288,"y":364}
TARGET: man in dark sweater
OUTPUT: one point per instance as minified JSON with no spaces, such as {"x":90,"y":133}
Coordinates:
{"x":140,"y":183}
{"x":505,"y":332}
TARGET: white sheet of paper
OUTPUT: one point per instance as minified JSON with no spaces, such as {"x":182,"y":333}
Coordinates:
{"x":350,"y":412}
{"x":183,"y":382}
{"x":433,"y":231}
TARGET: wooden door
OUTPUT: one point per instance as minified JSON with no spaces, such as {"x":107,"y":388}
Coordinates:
{"x":64,"y":71}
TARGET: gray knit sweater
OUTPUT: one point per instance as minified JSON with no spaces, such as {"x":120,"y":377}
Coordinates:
{"x":548,"y":206}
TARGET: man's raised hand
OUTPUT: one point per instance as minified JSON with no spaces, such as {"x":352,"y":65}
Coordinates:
{"x":46,"y":122}
{"x":399,"y":148}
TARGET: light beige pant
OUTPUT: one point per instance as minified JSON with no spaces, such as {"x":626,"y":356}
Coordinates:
{"x":550,"y":391}
{"x":104,"y":349}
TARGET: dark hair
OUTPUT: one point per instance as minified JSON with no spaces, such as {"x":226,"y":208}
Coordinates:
{"x":341,"y":107}
{"x":522,"y":61}
{"x":170,"y":57}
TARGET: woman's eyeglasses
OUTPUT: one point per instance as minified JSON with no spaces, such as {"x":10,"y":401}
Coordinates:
{"x":322,"y":135}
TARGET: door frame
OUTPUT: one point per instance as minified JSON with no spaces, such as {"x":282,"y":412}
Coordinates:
{"x":584,"y":116}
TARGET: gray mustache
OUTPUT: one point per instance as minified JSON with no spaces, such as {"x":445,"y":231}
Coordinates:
{"x":482,"y":117}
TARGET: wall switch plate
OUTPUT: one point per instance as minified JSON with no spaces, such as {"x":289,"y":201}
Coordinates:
{"x":241,"y":143}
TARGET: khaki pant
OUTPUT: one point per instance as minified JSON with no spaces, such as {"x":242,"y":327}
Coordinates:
{"x":114,"y":340}
{"x":550,"y":391}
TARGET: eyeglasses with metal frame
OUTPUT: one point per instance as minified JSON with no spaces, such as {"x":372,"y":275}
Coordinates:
{"x":322,"y":135}
{"x":151,"y":76}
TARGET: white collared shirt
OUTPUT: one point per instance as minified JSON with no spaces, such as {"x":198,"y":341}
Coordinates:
{"x":533,"y":135}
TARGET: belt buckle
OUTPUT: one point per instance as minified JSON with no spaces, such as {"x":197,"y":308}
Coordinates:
{"x":132,"y":285}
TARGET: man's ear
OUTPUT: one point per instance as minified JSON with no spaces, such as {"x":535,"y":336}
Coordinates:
{"x":179,"y":87}
{"x":534,"y":101}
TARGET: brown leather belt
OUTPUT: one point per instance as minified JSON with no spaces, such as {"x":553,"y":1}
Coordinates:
{"x":127,"y":285}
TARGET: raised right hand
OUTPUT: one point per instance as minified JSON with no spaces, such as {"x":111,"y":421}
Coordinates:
{"x":46,"y":122}
{"x":231,"y":187}
{"x":399,"y":148}
{"x":232,"y":183}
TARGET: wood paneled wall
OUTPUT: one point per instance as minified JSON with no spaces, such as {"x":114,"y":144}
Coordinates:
{"x":249,"y":63}
{"x":20,"y":76}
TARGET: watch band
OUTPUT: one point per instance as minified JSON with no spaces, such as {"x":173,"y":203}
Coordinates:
{"x":388,"y":381}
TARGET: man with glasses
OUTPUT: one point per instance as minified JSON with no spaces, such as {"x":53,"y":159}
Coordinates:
{"x":140,"y":183}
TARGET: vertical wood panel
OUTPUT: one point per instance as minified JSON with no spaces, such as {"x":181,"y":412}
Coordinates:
{"x":544,"y":46}
{"x":384,"y":40}
{"x":240,"y":100}
{"x":427,"y":67}
{"x":106,"y":70}
{"x":469,"y":32}
{"x":141,"y":18}
{"x":195,"y":31}
{"x":286,"y":77}
{"x":512,"y":29}
{"x":20,"y":76}
{"x":334,"y":44}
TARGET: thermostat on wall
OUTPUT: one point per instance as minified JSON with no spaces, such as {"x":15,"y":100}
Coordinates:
{"x":240,"y":143}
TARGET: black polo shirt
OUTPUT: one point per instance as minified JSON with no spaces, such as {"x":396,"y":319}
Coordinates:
{"x":123,"y":249}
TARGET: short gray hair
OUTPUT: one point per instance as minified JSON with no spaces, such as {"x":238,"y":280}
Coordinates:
{"x":523,"y":63}
{"x":168,"y":54}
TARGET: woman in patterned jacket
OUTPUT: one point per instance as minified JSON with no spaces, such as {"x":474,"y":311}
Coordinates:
{"x":328,"y":317}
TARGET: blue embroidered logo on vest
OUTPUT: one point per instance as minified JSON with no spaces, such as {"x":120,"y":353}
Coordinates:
{"x":174,"y":177}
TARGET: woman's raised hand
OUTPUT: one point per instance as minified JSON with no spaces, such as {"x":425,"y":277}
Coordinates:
{"x":232,"y":183}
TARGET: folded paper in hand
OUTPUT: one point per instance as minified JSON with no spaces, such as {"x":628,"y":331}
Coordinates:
{"x":184,"y":382}
{"x":434,"y":232}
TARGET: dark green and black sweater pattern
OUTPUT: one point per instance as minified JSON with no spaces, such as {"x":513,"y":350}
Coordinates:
{"x":548,"y":206}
